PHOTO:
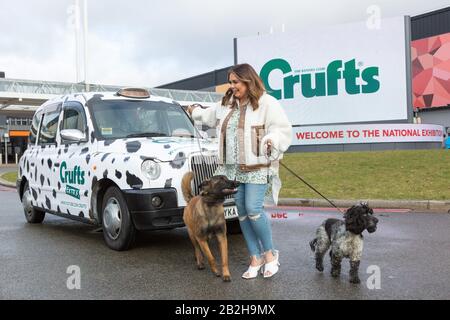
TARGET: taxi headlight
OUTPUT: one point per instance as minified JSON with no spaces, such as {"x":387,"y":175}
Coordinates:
{"x":151,"y":169}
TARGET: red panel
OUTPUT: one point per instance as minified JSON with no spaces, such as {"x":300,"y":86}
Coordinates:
{"x":431,"y":71}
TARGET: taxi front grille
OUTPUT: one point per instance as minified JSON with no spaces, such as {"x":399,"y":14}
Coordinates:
{"x":203,"y":168}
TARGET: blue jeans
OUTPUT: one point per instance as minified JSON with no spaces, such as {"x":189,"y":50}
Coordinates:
{"x":254,"y":223}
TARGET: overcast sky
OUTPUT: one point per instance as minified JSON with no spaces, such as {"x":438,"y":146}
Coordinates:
{"x":150,"y":43}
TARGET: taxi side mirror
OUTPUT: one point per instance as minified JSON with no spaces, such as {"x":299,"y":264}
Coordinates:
{"x":73,"y":135}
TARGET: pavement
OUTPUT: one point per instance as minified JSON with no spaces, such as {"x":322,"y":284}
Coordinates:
{"x":408,"y":254}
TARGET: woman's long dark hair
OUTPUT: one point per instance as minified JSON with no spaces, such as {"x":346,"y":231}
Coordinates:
{"x":255,"y":87}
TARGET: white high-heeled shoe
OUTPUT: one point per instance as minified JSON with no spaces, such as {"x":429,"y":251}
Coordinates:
{"x":252,"y":271}
{"x":272,"y":267}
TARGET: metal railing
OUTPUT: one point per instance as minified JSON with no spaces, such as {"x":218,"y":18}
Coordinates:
{"x":62,"y":88}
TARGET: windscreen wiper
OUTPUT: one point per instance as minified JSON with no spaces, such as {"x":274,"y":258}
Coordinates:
{"x":146,"y":134}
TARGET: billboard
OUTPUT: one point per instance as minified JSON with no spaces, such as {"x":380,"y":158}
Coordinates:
{"x":341,"y":74}
{"x":431,"y":71}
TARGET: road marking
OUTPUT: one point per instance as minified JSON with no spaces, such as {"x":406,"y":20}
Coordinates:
{"x":6,"y":189}
{"x":376,"y":210}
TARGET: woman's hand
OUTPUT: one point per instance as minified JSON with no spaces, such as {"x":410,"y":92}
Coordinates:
{"x":268,"y":147}
{"x":189,"y":109}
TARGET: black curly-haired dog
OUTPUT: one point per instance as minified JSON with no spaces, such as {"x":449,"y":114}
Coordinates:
{"x":345,"y":239}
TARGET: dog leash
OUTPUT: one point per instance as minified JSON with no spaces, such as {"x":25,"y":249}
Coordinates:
{"x":300,"y":178}
{"x":268,"y":156}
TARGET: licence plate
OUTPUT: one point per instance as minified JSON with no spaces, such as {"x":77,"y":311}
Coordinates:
{"x":230,"y":212}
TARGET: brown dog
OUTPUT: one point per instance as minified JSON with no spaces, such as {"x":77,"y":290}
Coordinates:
{"x":204,"y":217}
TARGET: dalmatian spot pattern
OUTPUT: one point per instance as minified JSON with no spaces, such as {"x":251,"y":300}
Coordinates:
{"x":54,"y":193}
{"x":48,"y":203}
{"x":104,"y":157}
{"x":126,"y":159}
{"x":133,"y":181}
{"x":118,"y":174}
{"x":88,"y":157}
{"x":168,"y":183}
{"x":113,"y":160}
{"x":59,"y":185}
{"x":28,"y":168}
{"x":108,"y":142}
{"x":179,"y":161}
{"x":84,"y":150}
{"x":35,"y":195}
{"x":96,"y":98}
{"x":166,"y":146}
{"x":105,"y":174}
{"x":48,"y":181}
{"x":49,"y":162}
{"x":58,"y":209}
{"x":92,"y":137}
{"x":86,"y":193}
{"x":133,"y":146}
{"x":42,"y":180}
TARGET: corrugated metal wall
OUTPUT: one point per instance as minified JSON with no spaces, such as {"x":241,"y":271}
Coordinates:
{"x":430,"y":24}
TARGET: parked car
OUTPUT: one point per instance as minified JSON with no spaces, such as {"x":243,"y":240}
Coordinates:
{"x":114,"y":160}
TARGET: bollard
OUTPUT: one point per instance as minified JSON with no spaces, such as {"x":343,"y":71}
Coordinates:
{"x":1,"y":159}
{"x":17,"y":158}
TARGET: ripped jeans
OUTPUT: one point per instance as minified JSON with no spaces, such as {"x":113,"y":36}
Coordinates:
{"x":254,"y":223}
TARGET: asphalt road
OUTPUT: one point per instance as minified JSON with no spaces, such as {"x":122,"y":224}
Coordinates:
{"x":411,"y":251}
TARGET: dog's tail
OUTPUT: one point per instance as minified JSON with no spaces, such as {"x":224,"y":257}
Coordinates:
{"x":312,"y":244}
{"x":186,"y":187}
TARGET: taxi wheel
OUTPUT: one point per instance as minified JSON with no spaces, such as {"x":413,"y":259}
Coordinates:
{"x":233,"y":227}
{"x":118,"y":229}
{"x":31,"y":214}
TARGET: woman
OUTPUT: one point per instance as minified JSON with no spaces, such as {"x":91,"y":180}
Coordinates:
{"x":252,"y":129}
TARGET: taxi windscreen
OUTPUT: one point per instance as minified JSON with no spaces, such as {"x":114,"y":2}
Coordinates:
{"x":115,"y":119}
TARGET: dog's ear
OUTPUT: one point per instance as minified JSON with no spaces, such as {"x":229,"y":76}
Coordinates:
{"x":354,"y":221}
{"x":204,"y":187}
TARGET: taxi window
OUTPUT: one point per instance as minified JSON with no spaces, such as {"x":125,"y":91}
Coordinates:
{"x":48,"y":128}
{"x":35,"y":127}
{"x":74,"y":118}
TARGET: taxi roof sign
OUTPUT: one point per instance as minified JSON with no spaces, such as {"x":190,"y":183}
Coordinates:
{"x":138,"y":93}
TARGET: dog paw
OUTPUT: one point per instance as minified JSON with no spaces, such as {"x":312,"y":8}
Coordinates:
{"x":226,"y":278}
{"x":335,"y":273}
{"x":200,"y":266}
{"x":319,"y":267}
{"x":355,"y":280}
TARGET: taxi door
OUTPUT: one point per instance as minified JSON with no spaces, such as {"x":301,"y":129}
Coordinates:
{"x":72,"y":163}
